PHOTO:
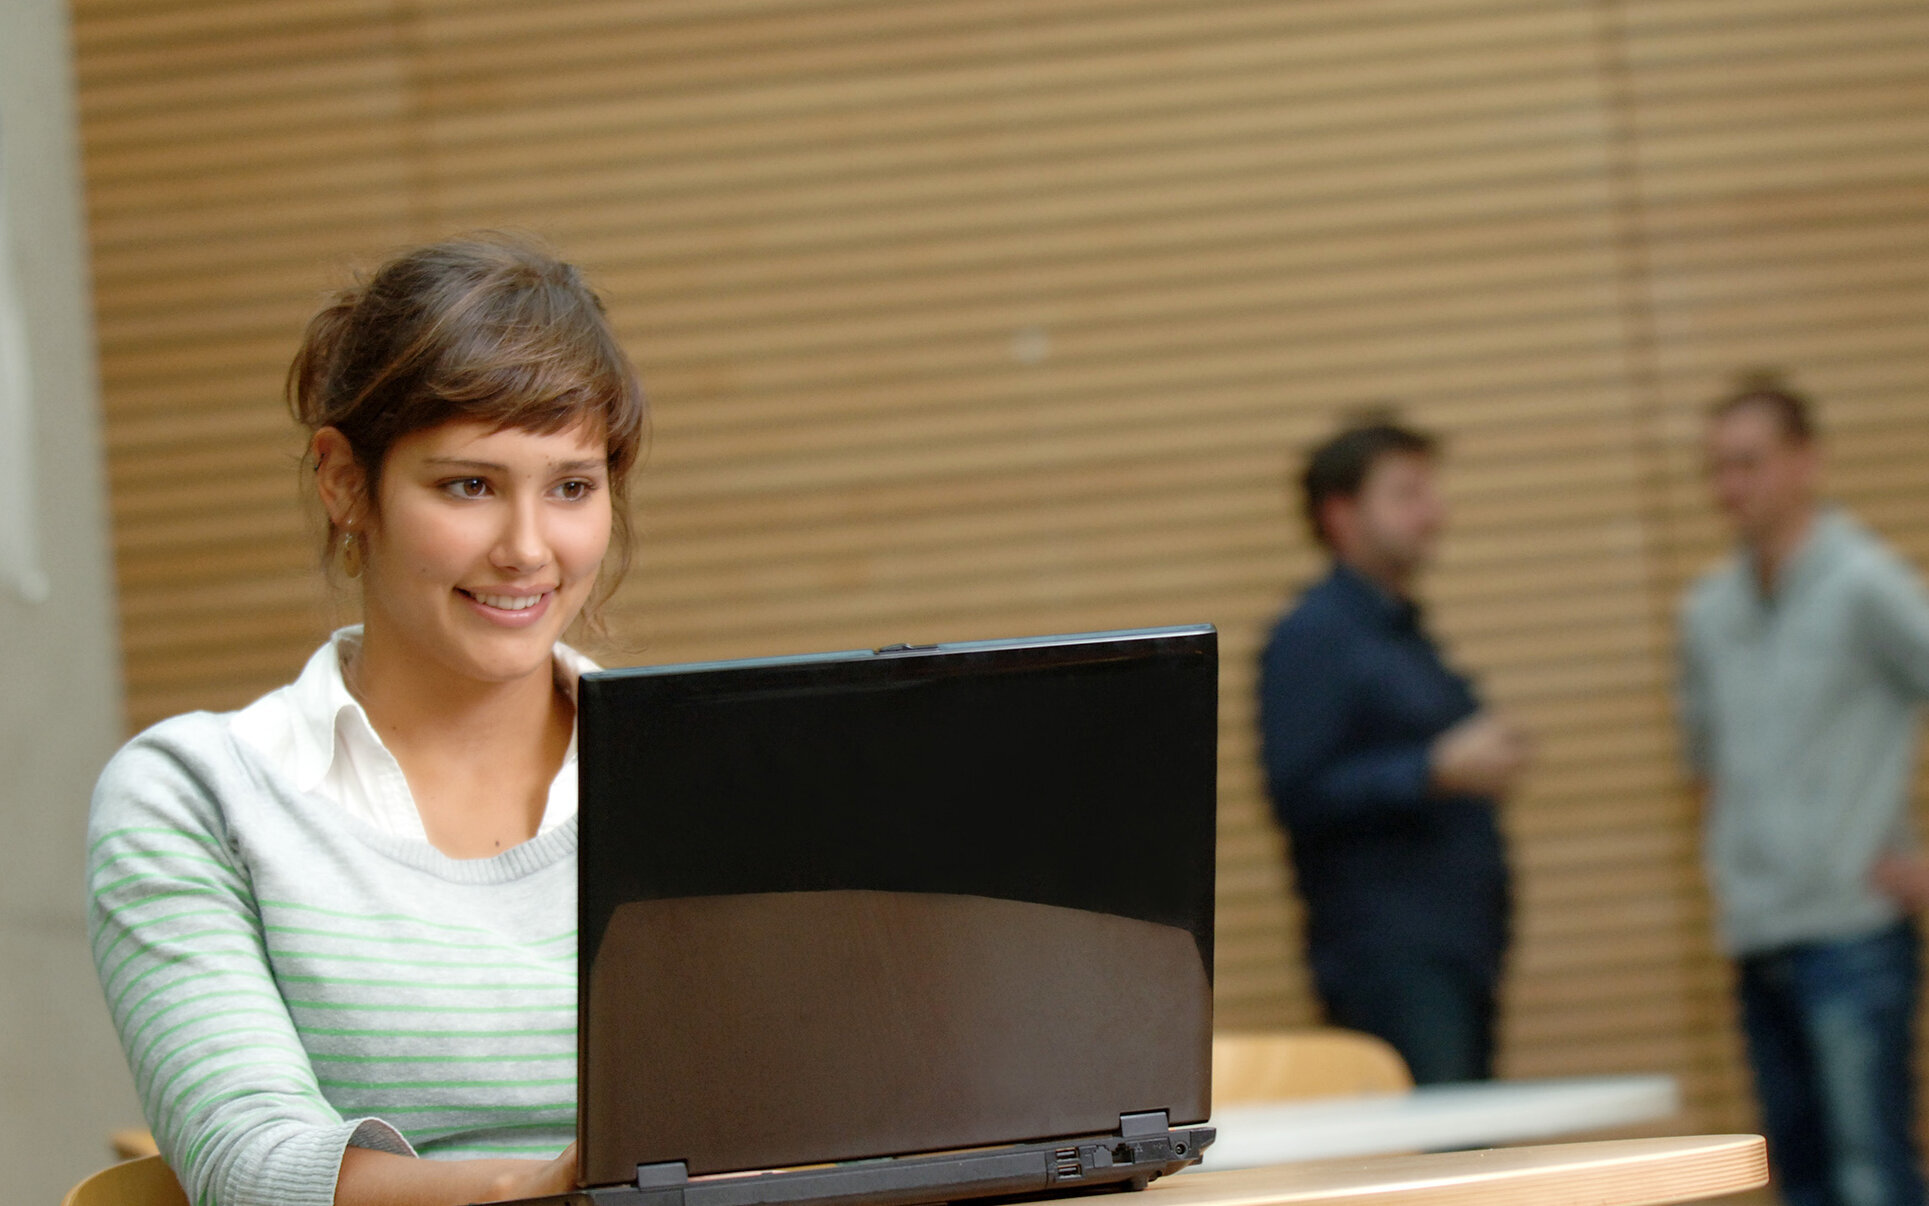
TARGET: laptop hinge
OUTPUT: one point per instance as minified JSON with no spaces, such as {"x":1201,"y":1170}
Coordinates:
{"x":1142,"y":1150}
{"x":671,"y":1174}
{"x":1138,"y":1126}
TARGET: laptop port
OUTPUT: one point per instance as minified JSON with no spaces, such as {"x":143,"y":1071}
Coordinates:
{"x":1067,"y":1163}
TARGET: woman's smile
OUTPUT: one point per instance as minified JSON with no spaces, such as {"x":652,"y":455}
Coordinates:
{"x":508,"y":610}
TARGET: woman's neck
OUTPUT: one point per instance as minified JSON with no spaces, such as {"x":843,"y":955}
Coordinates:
{"x":478,"y":756}
{"x":406,"y":693}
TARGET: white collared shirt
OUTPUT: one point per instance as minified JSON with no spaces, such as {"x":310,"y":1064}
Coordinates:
{"x":320,"y":733}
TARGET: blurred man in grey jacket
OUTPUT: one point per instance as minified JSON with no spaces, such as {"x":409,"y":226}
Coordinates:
{"x":1805,"y":659}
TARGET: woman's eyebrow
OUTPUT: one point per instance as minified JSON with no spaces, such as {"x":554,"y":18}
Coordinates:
{"x":451,"y":462}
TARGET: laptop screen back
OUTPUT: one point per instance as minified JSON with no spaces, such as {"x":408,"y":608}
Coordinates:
{"x":860,"y":905}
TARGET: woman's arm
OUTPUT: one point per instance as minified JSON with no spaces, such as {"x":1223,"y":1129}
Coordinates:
{"x":221,"y":1073}
{"x":371,"y":1178}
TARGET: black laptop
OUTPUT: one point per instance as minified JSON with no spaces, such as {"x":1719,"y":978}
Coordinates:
{"x":897,"y":926}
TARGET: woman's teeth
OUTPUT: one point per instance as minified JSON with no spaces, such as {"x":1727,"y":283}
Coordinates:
{"x":506,"y":602}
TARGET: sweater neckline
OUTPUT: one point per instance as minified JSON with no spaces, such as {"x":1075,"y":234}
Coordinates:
{"x":526,"y":858}
{"x":539,"y":853}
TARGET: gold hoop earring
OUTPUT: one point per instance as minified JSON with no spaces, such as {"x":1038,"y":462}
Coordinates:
{"x":351,"y":555}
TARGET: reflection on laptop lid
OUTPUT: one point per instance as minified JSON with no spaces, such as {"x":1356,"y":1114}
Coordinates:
{"x":897,"y":903}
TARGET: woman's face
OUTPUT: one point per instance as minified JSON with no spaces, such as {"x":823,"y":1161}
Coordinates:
{"x":484,"y":545}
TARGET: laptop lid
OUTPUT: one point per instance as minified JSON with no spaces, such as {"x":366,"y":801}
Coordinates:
{"x":873,"y":903}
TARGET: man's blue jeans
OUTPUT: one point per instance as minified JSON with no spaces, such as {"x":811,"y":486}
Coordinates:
{"x":1436,"y":1012}
{"x":1829,"y":1028}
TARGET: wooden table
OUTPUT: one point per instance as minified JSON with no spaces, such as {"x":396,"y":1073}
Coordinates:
{"x":1617,"y":1172}
{"x":1435,"y":1117}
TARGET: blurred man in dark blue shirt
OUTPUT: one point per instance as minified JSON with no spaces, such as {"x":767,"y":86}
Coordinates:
{"x":1385,"y":769}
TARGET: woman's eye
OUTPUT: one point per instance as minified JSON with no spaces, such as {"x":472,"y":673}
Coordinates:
{"x":467,"y":487}
{"x":575,"y":491}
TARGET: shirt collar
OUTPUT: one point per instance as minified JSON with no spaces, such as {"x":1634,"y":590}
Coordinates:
{"x":1371,"y":599}
{"x":294,"y":726}
{"x":321,"y":702}
{"x":570,"y":668}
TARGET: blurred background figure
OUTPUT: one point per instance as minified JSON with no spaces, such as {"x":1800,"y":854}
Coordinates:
{"x":1805,"y":658}
{"x":1384,"y":769}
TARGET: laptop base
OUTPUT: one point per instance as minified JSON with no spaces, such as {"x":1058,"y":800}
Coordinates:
{"x":1142,"y":1148}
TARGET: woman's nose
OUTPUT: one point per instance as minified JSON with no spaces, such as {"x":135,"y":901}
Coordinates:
{"x":523,"y":546}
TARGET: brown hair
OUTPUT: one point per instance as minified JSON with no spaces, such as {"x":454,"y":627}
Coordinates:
{"x":1339,"y":466}
{"x":1767,"y":390}
{"x":488,"y":328}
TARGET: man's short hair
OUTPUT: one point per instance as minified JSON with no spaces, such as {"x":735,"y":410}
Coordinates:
{"x":1339,"y":467}
{"x":1766,"y":389}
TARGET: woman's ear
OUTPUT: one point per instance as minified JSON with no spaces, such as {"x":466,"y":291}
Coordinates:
{"x":338,"y":478}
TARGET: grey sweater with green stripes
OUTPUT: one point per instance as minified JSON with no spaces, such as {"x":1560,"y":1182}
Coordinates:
{"x":288,"y":980}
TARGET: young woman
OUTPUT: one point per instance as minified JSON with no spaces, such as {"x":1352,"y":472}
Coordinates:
{"x":337,"y":928}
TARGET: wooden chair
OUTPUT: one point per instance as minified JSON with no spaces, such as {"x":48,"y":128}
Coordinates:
{"x":1289,"y":1065}
{"x":147,"y":1181}
{"x":131,"y":1143}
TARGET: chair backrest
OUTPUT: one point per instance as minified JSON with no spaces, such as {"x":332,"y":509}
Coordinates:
{"x":144,"y":1182}
{"x":131,"y":1143}
{"x":1288,"y":1065}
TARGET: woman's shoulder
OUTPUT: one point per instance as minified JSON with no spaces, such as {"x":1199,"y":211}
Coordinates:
{"x":275,"y":730}
{"x":162,"y":800}
{"x":189,"y":769}
{"x":177,"y":770}
{"x":189,"y":740}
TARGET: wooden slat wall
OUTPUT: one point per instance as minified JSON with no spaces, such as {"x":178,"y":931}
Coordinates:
{"x":984,"y":317}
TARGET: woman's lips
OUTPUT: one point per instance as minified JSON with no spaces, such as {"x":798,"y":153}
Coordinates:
{"x":510,"y":610}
